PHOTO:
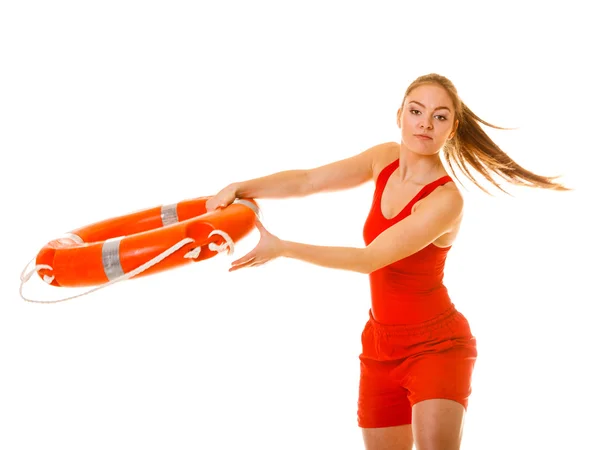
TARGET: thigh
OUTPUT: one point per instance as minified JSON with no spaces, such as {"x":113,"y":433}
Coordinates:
{"x":438,"y":424}
{"x":388,"y":438}
{"x":443,"y":370}
{"x":382,"y":401}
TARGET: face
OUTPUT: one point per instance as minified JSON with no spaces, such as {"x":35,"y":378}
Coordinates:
{"x":427,"y":119}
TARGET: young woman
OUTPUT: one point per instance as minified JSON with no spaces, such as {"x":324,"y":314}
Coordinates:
{"x":418,"y":352}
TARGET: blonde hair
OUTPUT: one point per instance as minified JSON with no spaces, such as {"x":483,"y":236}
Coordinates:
{"x":470,"y":145}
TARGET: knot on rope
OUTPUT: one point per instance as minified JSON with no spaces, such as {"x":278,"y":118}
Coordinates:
{"x":26,"y":274}
{"x":227,"y":245}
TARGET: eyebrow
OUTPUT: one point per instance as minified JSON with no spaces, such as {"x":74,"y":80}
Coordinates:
{"x":423,"y":106}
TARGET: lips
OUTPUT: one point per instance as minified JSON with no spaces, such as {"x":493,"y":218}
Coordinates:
{"x":424,"y":137}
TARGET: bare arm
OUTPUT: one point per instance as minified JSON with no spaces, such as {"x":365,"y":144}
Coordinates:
{"x":436,"y":215}
{"x":288,"y":183}
{"x":343,"y":174}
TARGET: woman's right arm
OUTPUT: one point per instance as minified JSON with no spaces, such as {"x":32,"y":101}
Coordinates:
{"x":344,"y":174}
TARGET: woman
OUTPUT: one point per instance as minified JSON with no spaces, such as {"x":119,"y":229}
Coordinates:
{"x":418,"y":352}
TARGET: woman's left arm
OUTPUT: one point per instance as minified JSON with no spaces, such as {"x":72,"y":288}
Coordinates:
{"x":435,"y":216}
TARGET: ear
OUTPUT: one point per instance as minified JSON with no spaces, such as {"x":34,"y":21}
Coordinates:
{"x":454,"y":128}
{"x":398,"y":115}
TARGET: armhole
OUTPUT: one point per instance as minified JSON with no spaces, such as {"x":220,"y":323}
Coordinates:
{"x":413,"y":208}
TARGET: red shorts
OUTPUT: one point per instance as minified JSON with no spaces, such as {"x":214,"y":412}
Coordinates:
{"x":401,"y":365}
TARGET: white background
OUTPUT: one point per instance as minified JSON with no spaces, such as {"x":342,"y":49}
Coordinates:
{"x":115,"y":106}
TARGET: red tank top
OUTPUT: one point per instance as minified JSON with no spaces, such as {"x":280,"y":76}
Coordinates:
{"x":410,"y":290}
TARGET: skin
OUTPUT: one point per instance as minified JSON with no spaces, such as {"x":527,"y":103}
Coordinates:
{"x":427,"y":111}
{"x":433,"y":219}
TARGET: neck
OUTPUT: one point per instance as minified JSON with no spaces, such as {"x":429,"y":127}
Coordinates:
{"x":417,"y":168}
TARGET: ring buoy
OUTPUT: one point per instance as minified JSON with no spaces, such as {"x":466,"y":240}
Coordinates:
{"x":153,"y":240}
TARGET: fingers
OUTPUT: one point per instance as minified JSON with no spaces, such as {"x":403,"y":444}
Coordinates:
{"x":244,"y":259}
{"x":250,"y":263}
{"x":241,"y":266}
{"x":212,"y":204}
{"x":222,"y":199}
{"x":256,"y":257}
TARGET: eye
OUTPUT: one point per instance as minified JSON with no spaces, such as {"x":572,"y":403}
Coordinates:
{"x":415,"y":112}
{"x":442,"y":118}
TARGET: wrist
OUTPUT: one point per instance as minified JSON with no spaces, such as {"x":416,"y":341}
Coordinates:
{"x":237,"y":190}
{"x":285,"y":249}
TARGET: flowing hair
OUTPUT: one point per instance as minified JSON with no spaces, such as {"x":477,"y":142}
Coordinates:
{"x":471,"y":146}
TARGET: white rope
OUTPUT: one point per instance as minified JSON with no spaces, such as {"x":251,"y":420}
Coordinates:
{"x":194,"y":253}
{"x":227,"y":245}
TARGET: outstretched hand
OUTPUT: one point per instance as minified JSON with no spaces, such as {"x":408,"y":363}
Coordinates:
{"x":268,"y":248}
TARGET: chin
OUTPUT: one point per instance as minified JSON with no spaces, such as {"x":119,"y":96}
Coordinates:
{"x":426,"y":148}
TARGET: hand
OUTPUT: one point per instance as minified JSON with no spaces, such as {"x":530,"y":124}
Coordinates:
{"x":224,"y":198}
{"x":268,"y":248}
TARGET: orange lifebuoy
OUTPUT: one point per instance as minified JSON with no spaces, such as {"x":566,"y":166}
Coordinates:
{"x":178,"y":234}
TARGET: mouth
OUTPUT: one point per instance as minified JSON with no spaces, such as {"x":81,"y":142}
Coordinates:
{"x":424,"y":137}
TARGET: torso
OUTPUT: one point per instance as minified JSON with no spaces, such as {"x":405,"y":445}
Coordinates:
{"x":397,"y":195}
{"x":410,"y":290}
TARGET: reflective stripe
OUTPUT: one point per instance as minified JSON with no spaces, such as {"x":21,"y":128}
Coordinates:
{"x":168,"y":214}
{"x":249,"y":204}
{"x":111,"y":260}
{"x":73,"y":237}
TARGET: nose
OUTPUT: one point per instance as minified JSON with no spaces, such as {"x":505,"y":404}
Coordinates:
{"x":425,"y":122}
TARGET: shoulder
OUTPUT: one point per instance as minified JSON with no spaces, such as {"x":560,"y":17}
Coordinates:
{"x":445,"y":201}
{"x":383,"y":155}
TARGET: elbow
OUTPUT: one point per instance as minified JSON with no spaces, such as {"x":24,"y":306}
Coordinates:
{"x":367,"y":264}
{"x":373,"y":260}
{"x":367,"y":269}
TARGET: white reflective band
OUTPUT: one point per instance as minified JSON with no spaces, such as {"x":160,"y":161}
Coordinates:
{"x":249,"y":204}
{"x":111,"y":260}
{"x":73,"y":237}
{"x":168,"y":214}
